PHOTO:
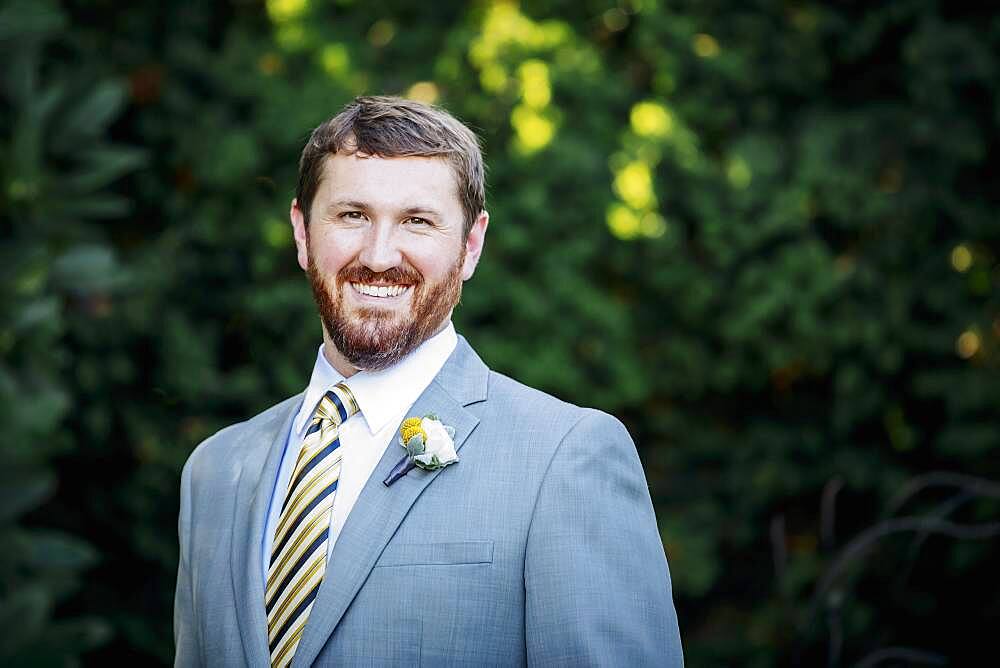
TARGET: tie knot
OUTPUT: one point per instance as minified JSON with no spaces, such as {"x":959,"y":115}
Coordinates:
{"x":335,"y":406}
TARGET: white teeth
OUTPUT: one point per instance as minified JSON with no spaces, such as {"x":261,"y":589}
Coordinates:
{"x":380,"y":290}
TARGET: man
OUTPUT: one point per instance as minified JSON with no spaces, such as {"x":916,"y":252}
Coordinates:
{"x":308,"y":536}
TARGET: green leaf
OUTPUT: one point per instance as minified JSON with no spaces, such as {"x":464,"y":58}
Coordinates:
{"x":79,"y":635}
{"x":53,"y":550}
{"x":93,"y":206}
{"x":24,"y":493}
{"x":36,"y":312}
{"x":89,"y":116}
{"x":85,"y":268}
{"x":101,"y":167}
{"x":415,"y":446}
{"x":29,"y":20}
{"x":22,"y":615}
{"x":36,"y":414}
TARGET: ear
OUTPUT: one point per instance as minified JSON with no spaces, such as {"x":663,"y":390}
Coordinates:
{"x":300,"y":233}
{"x":474,"y":244}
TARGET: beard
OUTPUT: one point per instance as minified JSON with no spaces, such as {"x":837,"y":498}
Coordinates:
{"x":373,"y":338}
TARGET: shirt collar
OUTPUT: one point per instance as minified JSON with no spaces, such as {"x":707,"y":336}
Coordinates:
{"x":381,"y":395}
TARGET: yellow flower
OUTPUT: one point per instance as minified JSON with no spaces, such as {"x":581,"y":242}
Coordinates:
{"x":410,"y":428}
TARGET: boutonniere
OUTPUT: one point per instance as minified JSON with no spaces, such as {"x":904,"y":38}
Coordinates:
{"x":429,"y":445}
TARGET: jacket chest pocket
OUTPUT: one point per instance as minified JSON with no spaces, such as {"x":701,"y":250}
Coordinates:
{"x":437,"y":595}
{"x":437,"y":554}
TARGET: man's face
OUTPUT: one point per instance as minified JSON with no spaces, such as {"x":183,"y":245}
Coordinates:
{"x":384,"y":253}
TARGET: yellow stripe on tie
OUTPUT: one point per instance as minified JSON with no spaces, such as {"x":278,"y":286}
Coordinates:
{"x":278,"y":611}
{"x":291,"y":643}
{"x":287,"y":578}
{"x":291,"y":511}
{"x":274,"y":578}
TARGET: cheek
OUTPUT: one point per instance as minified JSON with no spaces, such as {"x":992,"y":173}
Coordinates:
{"x":432,"y":270}
{"x":328,"y":262}
{"x":435,"y":259}
{"x":329,"y":253}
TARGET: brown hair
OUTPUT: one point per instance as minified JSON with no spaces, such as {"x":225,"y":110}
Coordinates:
{"x":393,"y":127}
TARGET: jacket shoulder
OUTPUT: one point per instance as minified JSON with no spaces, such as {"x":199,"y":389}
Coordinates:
{"x":531,"y":408}
{"x":229,"y":443}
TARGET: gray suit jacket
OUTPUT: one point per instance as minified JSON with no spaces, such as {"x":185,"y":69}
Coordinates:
{"x":539,"y":546}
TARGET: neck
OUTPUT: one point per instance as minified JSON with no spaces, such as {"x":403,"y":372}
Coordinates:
{"x":336,"y":358}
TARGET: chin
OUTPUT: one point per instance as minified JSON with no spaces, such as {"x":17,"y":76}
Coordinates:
{"x":380,"y":317}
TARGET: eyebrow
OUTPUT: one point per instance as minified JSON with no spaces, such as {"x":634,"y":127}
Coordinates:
{"x":346,"y":204}
{"x":363,"y":206}
{"x":421,"y":210}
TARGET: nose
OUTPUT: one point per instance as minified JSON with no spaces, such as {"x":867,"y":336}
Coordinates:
{"x":380,"y":251}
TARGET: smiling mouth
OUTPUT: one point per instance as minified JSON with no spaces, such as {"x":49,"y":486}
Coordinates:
{"x":384,"y":291}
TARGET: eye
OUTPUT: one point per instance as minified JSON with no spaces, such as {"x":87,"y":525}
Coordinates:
{"x":353,"y":215}
{"x":414,"y":220}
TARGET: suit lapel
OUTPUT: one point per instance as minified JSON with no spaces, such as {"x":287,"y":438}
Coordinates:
{"x":257,"y":476}
{"x":379,"y":510}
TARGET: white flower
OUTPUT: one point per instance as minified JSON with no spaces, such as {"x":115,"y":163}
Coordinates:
{"x":439,"y":443}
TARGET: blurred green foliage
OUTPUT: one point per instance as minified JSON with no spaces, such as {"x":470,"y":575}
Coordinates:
{"x":764,"y":234}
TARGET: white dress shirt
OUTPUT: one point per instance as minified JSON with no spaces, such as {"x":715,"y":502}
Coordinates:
{"x":384,"y":397}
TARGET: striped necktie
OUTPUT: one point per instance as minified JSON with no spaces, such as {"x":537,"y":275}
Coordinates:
{"x":298,"y":554}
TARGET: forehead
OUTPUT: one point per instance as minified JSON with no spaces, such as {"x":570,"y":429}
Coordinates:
{"x":389,"y":182}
